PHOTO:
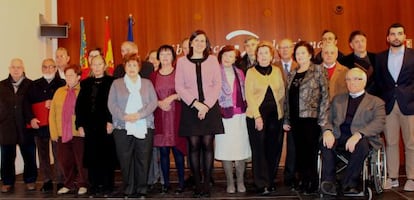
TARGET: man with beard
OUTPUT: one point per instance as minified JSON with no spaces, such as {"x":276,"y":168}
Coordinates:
{"x":36,"y":113}
{"x":394,"y":75}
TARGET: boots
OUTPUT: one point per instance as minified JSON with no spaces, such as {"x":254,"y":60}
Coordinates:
{"x":228,"y":170}
{"x":240,"y":167}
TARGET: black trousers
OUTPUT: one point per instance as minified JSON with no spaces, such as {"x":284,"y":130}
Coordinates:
{"x":134,"y":159}
{"x":289,"y":173}
{"x":8,"y":157}
{"x":266,"y":149}
{"x":306,"y":132}
{"x":355,"y":162}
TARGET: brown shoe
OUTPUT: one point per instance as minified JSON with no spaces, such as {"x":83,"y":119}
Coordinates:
{"x":6,"y":188}
{"x":30,"y":186}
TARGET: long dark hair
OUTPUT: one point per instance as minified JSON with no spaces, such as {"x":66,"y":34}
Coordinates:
{"x":206,"y":51}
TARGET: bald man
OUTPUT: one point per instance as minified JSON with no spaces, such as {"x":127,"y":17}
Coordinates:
{"x":336,"y":71}
{"x":355,"y":122}
{"x":129,"y":47}
{"x":13,"y":90}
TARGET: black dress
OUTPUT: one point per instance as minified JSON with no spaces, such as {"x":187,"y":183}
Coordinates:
{"x":190,"y":124}
{"x":92,"y":114}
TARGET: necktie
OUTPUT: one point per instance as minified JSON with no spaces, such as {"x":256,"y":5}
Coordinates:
{"x":286,"y":68}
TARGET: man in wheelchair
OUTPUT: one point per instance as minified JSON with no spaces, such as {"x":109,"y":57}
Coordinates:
{"x":355,"y":121}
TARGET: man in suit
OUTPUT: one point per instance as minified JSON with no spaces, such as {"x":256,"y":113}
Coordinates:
{"x":129,"y":47}
{"x":336,"y":71}
{"x":287,"y":65}
{"x":360,"y":57}
{"x":394,"y":75}
{"x":328,"y":38}
{"x":249,"y":59}
{"x":40,"y":94}
{"x":355,"y":121}
{"x":13,"y":90}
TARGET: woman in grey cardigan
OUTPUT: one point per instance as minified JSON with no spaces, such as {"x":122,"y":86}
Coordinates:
{"x":131,"y":101}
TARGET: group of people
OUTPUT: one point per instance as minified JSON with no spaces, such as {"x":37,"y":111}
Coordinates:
{"x":229,"y":108}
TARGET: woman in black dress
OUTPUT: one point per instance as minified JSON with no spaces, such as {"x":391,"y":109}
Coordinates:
{"x":95,"y":120}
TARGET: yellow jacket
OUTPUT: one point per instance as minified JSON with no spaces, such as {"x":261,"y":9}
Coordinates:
{"x":256,"y":86}
{"x":55,"y":114}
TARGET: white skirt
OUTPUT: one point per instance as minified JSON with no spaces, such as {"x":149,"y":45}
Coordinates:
{"x":234,"y":143}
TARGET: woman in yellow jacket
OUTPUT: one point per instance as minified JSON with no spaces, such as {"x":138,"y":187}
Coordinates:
{"x":63,"y":130}
{"x":265,"y":91}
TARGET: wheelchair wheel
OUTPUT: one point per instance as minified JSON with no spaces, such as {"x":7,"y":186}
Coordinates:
{"x":378,"y":169}
{"x":369,"y":193}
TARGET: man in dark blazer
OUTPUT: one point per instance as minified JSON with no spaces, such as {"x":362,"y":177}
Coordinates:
{"x":286,"y":66}
{"x":13,"y":90}
{"x":40,"y":94}
{"x":249,"y":59}
{"x":394,"y":79}
{"x":355,"y":122}
{"x":360,"y":57}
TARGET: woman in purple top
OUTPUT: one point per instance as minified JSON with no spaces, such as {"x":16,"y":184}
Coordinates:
{"x":232,"y":102}
{"x":198,"y":83}
{"x":167,"y":117}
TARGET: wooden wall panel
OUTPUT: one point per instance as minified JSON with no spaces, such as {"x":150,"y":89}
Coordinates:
{"x":168,"y":21}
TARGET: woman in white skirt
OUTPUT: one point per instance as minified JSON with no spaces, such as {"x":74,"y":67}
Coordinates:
{"x":234,"y":144}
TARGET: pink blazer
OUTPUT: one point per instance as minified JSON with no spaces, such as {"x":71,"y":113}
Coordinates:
{"x":186,"y":80}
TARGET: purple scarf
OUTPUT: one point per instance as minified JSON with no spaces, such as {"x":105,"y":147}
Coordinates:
{"x":226,"y":96}
{"x":68,"y":111}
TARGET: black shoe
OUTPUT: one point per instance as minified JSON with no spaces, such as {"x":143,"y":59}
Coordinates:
{"x":351,"y":191}
{"x":328,"y":188}
{"x":164,"y":189}
{"x":263,"y":191}
{"x":47,"y":186}
{"x":179,"y":190}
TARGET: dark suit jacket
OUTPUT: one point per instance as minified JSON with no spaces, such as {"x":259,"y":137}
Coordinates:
{"x":145,"y":72}
{"x":369,"y":118}
{"x":12,"y":121}
{"x":349,"y":61}
{"x":401,"y":90}
{"x":279,"y":65}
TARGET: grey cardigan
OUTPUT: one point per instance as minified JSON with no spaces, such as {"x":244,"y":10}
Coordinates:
{"x":118,"y":98}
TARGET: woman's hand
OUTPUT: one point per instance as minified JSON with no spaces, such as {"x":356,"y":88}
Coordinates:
{"x":286,"y":127}
{"x":164,"y":105}
{"x":258,"y":123}
{"x":131,"y":117}
{"x":81,"y":132}
{"x":109,"y":128}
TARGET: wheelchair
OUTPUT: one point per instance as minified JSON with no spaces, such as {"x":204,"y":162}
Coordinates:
{"x":374,"y":172}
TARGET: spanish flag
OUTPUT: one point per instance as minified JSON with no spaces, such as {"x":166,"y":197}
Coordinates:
{"x":109,"y":56}
{"x":83,"y":58}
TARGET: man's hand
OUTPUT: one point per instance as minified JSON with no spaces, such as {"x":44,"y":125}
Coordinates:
{"x":34,"y":123}
{"x":352,"y":141}
{"x":328,"y":139}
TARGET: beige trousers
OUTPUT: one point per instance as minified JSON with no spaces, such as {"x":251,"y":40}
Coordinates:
{"x":394,"y":123}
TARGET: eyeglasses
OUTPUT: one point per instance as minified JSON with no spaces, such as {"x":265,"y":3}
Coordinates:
{"x":354,"y":79}
{"x":48,"y":66}
{"x":286,"y":47}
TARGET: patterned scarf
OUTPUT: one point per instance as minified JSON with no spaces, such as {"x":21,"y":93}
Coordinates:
{"x":68,"y":112}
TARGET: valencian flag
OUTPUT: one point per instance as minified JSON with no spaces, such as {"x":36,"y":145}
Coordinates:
{"x":109,"y":56}
{"x":83,"y":55}
{"x":130,"y":24}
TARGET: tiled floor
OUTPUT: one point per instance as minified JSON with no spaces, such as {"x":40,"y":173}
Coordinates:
{"x":218,"y":192}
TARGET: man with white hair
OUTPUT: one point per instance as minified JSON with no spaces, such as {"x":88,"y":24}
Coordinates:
{"x":355,"y":121}
{"x":38,"y":100}
{"x":12,"y":129}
